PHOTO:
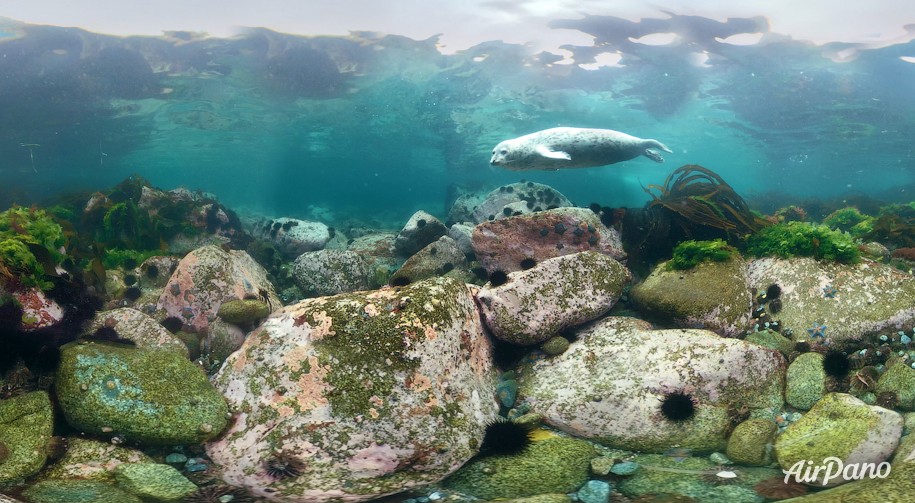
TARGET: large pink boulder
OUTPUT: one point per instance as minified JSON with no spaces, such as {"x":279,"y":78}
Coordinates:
{"x":364,"y":394}
{"x":209,"y":276}
{"x":502,"y":245}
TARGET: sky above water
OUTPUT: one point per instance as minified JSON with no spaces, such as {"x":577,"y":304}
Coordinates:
{"x":463,"y":23}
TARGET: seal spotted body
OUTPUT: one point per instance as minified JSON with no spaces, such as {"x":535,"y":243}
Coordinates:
{"x":569,"y":147}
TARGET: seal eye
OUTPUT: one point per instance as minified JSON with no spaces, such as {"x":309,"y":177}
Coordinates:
{"x":503,"y":151}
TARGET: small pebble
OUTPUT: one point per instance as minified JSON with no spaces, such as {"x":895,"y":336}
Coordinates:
{"x":176,"y":458}
{"x":720,"y":459}
{"x":594,"y":491}
{"x":624,"y":468}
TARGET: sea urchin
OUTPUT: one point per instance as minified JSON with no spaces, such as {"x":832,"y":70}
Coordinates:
{"x":504,"y":437}
{"x":678,"y":406}
{"x":283,"y":466}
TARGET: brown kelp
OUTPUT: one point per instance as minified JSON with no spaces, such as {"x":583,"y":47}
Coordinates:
{"x":695,"y":197}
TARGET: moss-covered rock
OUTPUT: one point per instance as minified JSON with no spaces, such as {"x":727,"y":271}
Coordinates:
{"x":148,"y":396}
{"x":390,"y":389}
{"x":153,"y":481}
{"x":851,"y":301}
{"x":621,"y":364}
{"x":77,"y":491}
{"x":711,"y":295}
{"x":243,"y":311}
{"x":899,"y":378}
{"x":136,"y":326}
{"x":89,"y":459}
{"x":802,"y":239}
{"x":555,"y":345}
{"x":329,"y":272}
{"x":805,"y":382}
{"x":26,"y":426}
{"x":435,"y":259}
{"x":751,"y":442}
{"x":693,"y":478}
{"x":555,"y":465}
{"x":840,"y":426}
{"x":772,"y":340}
{"x":560,"y":292}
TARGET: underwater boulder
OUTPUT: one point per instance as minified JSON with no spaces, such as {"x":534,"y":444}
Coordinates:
{"x":209,"y":276}
{"x":38,"y":310}
{"x":517,"y":198}
{"x":133,"y":325}
{"x":712,"y":296}
{"x":839,"y":426}
{"x":421,"y":230}
{"x":611,"y":385}
{"x":436,"y":259}
{"x":841,"y":303}
{"x":291,"y":236}
{"x":26,"y":426}
{"x":502,"y":245}
{"x":362,"y":394}
{"x":538,"y":303}
{"x":462,"y":233}
{"x":147,"y":396}
{"x":91,"y":459}
{"x":329,"y":272}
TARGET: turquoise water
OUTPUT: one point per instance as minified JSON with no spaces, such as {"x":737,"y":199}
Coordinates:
{"x":375,"y":127}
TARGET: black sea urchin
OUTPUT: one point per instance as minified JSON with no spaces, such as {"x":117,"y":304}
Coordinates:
{"x":836,"y":364}
{"x":678,"y":406}
{"x":504,"y":437}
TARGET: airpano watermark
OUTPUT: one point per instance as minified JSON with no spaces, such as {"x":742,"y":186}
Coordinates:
{"x":833,"y":468}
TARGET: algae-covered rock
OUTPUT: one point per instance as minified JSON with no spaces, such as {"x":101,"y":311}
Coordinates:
{"x":554,"y":465}
{"x":805,"y":381}
{"x":209,"y":276}
{"x":26,"y":426}
{"x":153,"y":481}
{"x":772,"y":340}
{"x":852,"y":300}
{"x":692,"y":478}
{"x":620,"y":364}
{"x":77,"y":491}
{"x":560,"y":292}
{"x":435,"y":259}
{"x":555,"y":345}
{"x":504,"y":244}
{"x":899,"y":378}
{"x":712,"y":295}
{"x":751,"y":442}
{"x":843,"y":427}
{"x":371,"y":392}
{"x":90,"y":459}
{"x":147,"y":396}
{"x":243,"y":311}
{"x":329,"y":272}
{"x":136,"y":326}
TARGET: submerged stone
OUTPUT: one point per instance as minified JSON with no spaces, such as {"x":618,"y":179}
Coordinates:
{"x":148,"y":396}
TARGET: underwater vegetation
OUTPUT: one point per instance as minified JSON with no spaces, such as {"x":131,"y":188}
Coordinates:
{"x":894,"y":226}
{"x":691,"y":253}
{"x":802,"y":239}
{"x":850,"y":220}
{"x":697,"y":199}
{"x":29,"y":244}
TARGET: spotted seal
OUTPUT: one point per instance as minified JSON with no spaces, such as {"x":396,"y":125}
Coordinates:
{"x":569,"y":147}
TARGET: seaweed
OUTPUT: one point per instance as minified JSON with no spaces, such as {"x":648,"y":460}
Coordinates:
{"x":696,"y":197}
{"x":895,"y":226}
{"x":802,"y":239}
{"x":689,"y":254}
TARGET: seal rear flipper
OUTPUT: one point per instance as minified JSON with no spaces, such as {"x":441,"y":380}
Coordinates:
{"x":553,"y":154}
{"x":656,"y":144}
{"x":654,"y":156}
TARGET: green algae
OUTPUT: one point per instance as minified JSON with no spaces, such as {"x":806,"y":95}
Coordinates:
{"x":554,"y":465}
{"x":26,"y":426}
{"x":689,"y":254}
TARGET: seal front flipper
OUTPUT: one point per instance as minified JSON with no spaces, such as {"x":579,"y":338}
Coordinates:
{"x":552,"y":154}
{"x":654,"y":156}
